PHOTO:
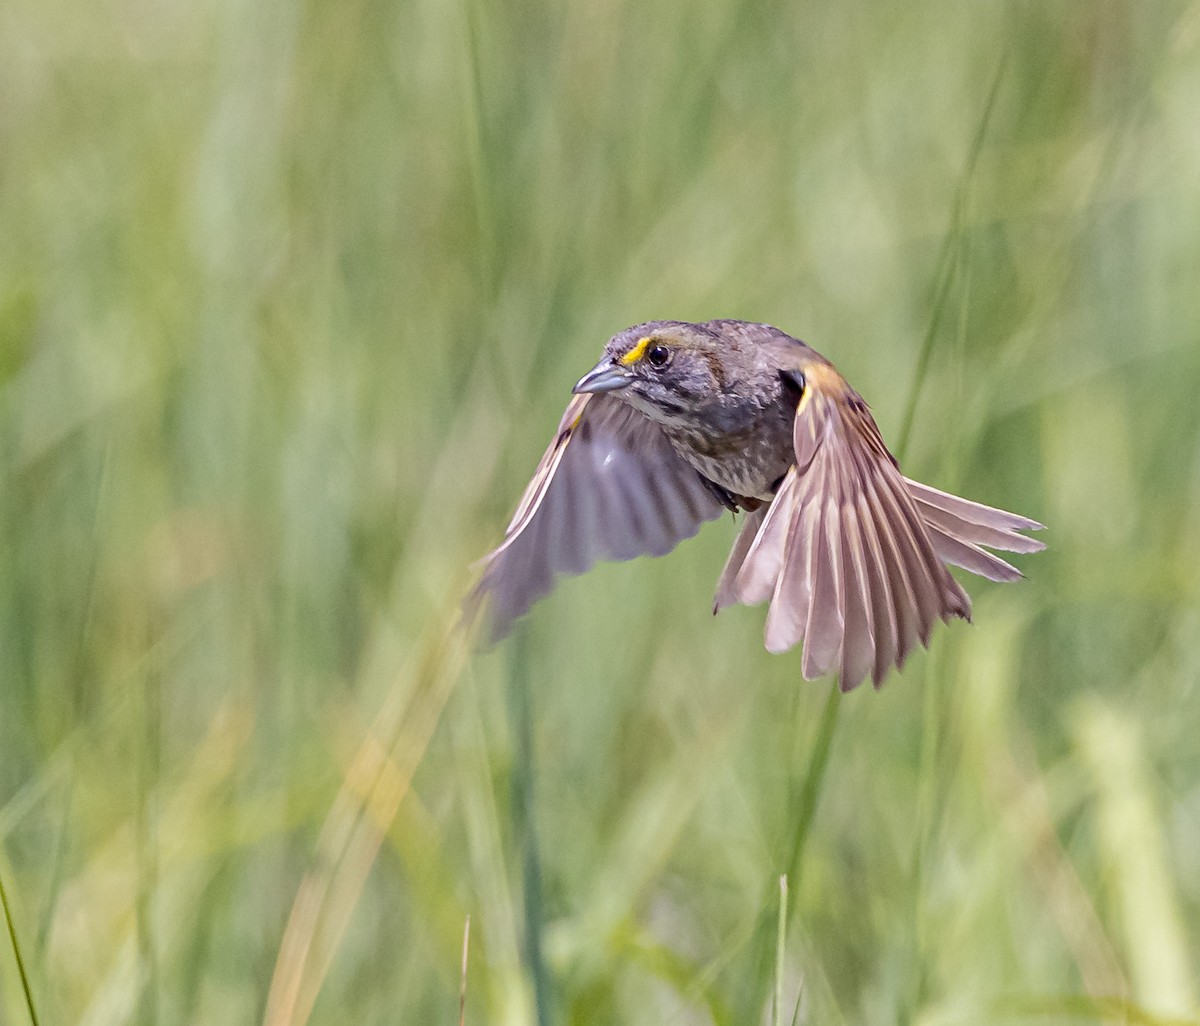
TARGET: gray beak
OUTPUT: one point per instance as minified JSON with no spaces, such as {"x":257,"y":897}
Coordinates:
{"x":604,"y":377}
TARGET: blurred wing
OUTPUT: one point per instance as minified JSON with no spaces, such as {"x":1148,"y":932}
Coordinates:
{"x":610,"y":486}
{"x":843,"y":553}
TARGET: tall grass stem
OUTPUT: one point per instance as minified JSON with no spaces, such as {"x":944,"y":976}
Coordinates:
{"x":780,"y":940}
{"x":16,"y":946}
{"x":524,"y":825}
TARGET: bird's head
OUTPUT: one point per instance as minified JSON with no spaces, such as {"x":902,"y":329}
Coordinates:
{"x":670,"y":370}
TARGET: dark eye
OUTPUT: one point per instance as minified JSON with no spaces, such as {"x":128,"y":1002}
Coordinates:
{"x":658,"y":357}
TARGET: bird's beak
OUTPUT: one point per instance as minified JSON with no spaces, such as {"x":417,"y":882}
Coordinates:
{"x":604,"y":377}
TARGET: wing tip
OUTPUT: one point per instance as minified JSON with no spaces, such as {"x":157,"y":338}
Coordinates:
{"x":778,"y":645}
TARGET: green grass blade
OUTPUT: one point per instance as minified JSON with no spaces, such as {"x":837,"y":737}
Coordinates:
{"x":948,"y":263}
{"x":780,"y":939}
{"x":524,"y":826}
{"x":16,"y":946}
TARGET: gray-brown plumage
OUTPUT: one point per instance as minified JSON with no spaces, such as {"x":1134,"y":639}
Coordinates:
{"x":678,"y":422}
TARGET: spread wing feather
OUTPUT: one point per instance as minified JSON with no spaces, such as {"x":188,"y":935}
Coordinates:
{"x":747,"y":536}
{"x":851,"y":554}
{"x":610,"y":486}
{"x":959,"y":528}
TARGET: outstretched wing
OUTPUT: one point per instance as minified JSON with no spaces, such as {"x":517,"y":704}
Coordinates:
{"x":850,"y":554}
{"x":610,"y":486}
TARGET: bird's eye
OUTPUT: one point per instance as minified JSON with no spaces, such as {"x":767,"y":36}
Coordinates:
{"x":658,"y":357}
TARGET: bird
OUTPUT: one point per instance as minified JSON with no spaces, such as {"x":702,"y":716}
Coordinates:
{"x":680,"y":422}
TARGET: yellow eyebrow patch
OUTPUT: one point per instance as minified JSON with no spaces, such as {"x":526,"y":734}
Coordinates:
{"x":637,"y":352}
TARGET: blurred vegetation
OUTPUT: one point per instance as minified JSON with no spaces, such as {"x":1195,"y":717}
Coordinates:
{"x":291,"y":298}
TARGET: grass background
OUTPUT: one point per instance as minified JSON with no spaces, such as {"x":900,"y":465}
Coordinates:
{"x":291,"y":298}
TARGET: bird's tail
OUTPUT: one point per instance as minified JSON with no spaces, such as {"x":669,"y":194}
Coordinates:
{"x":959,"y":530}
